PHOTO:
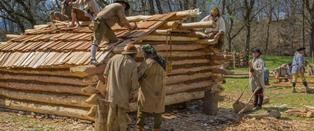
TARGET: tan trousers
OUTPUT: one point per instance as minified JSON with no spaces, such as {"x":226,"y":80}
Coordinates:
{"x":297,"y":75}
{"x":103,"y":31}
{"x":118,"y":118}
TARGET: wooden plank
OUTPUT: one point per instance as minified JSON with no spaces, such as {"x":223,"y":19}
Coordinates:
{"x":170,"y":80}
{"x":47,"y":98}
{"x":54,"y":88}
{"x":181,"y":87}
{"x":45,"y":109}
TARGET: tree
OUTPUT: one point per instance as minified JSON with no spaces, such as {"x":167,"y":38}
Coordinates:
{"x":309,"y":5}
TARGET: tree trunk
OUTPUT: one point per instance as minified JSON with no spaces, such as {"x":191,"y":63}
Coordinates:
{"x":159,"y":6}
{"x":152,"y":7}
{"x":312,"y":39}
{"x":230,"y":36}
{"x":169,"y":5}
{"x":270,"y":18}
{"x":247,"y":42}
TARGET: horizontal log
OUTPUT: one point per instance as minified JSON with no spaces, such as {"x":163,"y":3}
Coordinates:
{"x":184,"y":78}
{"x":50,"y":72}
{"x":169,"y":38}
{"x":190,"y":61}
{"x":88,"y":70}
{"x":181,"y":87}
{"x":48,"y":98}
{"x":46,"y":79}
{"x":170,"y":24}
{"x":11,"y":36}
{"x":208,"y":41}
{"x":190,"y":70}
{"x":179,"y":15}
{"x":30,"y":86}
{"x":45,"y":109}
{"x":202,"y":24}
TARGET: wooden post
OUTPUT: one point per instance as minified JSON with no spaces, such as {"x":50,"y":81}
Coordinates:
{"x":210,"y":103}
{"x":101,"y":115}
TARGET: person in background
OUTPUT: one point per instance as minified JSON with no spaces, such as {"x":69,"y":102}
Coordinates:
{"x":283,"y":72}
{"x":256,"y":78}
{"x":83,"y":10}
{"x":65,"y":14}
{"x":220,"y":29}
{"x":151,"y":98}
{"x":298,"y":69}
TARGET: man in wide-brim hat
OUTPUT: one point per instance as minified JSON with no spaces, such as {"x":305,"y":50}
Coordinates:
{"x":298,"y":69}
{"x":121,"y":78}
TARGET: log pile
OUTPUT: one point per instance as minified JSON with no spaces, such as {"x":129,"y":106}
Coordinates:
{"x":308,"y":112}
{"x":46,"y":69}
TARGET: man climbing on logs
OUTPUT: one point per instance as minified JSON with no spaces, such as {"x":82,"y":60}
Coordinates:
{"x":256,"y":78}
{"x":298,"y":69}
{"x":151,"y":99}
{"x":105,"y":19}
{"x":83,"y":10}
{"x":65,"y":14}
{"x":216,"y":33}
{"x":121,"y":78}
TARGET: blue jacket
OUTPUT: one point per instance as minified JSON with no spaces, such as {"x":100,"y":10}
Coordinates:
{"x":297,"y":63}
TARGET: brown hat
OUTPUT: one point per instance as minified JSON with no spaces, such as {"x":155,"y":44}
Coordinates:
{"x":129,"y":49}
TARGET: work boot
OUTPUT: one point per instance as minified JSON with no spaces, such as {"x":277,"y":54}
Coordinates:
{"x":94,"y":62}
{"x":138,"y":128}
{"x":307,"y":90}
{"x":293,"y":87}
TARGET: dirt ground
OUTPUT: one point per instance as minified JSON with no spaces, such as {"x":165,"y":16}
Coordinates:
{"x":186,"y":117}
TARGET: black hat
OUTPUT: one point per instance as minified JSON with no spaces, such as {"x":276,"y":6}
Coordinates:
{"x":257,"y":50}
{"x":123,"y":2}
{"x":300,"y":49}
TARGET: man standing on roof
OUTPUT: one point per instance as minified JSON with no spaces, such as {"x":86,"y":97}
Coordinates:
{"x":151,"y":98}
{"x":83,"y":10}
{"x":298,"y":69}
{"x":105,"y":19}
{"x":121,"y":78}
{"x":217,"y":32}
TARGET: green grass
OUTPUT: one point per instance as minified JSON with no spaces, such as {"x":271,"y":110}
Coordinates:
{"x":279,"y":96}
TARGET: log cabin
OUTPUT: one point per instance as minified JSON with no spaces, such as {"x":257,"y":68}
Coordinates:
{"x":45,"y":69}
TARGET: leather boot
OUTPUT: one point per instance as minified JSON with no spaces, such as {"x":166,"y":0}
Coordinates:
{"x":306,"y":87}
{"x":138,"y":128}
{"x":293,"y":87}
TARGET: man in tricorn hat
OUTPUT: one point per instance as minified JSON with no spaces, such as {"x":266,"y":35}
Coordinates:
{"x":105,"y":19}
{"x":121,"y":78}
{"x":256,"y":77}
{"x":298,"y":69}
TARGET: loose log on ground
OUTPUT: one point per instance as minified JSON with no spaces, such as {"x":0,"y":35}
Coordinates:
{"x":48,"y":98}
{"x":45,"y":109}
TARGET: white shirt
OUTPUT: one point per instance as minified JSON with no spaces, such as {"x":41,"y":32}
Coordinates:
{"x":221,"y":27}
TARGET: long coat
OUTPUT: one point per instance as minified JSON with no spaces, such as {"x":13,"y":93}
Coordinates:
{"x":258,"y":68}
{"x":152,"y":93}
{"x":297,"y":63}
{"x":122,"y":79}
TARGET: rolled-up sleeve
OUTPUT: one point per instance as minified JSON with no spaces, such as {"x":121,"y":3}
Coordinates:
{"x":122,"y":18}
{"x":222,"y":25}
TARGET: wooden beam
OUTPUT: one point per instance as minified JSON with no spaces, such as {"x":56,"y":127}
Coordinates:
{"x":45,"y":109}
{"x":193,"y":25}
{"x":184,"y":78}
{"x":48,"y":98}
{"x":169,"y":38}
{"x":182,"y":87}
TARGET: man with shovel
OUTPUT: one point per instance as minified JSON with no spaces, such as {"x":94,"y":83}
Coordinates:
{"x":256,"y":78}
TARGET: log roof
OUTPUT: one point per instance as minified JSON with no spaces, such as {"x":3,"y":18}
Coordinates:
{"x":56,"y":44}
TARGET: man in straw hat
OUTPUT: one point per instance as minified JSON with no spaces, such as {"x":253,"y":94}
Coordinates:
{"x":298,"y":69}
{"x":151,"y":98}
{"x":121,"y":77}
{"x":105,"y":19}
{"x":217,"y":32}
{"x":256,"y":78}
